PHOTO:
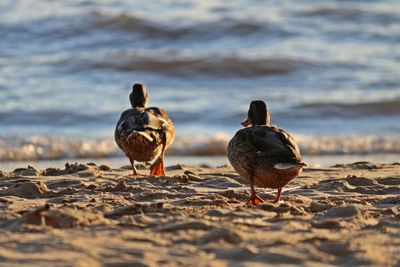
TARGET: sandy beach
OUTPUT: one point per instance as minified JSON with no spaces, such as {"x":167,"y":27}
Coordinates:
{"x":328,"y":72}
{"x":92,"y":215}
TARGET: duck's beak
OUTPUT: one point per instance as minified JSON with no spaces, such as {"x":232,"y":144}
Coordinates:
{"x":246,"y":122}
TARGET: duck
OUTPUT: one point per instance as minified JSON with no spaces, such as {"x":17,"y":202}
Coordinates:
{"x":144,"y":133}
{"x":263,"y":154}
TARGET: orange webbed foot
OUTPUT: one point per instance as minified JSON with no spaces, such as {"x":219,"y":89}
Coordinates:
{"x":157,"y":169}
{"x":255,"y":200}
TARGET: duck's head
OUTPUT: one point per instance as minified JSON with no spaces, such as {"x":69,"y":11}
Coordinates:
{"x":139,"y":97}
{"x":258,"y":114}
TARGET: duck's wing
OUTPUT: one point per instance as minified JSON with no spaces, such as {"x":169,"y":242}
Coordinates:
{"x":274,"y":142}
{"x":161,"y":121}
{"x":157,"y":119}
{"x":140,"y":120}
{"x":127,"y":122}
{"x":137,"y":120}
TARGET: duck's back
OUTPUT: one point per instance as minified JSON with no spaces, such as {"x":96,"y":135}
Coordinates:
{"x":256,"y":151}
{"x":271,"y":141}
{"x":140,"y":132}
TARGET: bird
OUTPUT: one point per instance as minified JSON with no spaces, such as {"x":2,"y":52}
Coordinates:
{"x":144,"y":133}
{"x":263,"y":154}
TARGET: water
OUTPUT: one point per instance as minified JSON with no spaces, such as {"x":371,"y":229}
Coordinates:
{"x":329,"y":71}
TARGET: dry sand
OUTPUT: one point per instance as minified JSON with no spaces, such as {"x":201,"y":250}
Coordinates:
{"x":88,"y":215}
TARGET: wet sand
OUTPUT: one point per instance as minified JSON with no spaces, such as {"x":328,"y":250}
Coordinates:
{"x":92,"y":215}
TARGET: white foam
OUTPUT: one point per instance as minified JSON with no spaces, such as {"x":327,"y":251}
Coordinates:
{"x":58,"y":147}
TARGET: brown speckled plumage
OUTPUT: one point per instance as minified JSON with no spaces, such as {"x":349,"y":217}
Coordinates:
{"x":137,"y":146}
{"x":256,"y":151}
{"x":144,"y":133}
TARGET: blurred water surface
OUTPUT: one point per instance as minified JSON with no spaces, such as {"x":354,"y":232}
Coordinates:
{"x":329,"y":71}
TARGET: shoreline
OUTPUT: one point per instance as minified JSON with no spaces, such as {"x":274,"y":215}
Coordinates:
{"x":212,"y":161}
{"x":94,"y":215}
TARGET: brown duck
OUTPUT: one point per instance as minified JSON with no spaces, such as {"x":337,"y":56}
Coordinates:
{"x":264,"y":155}
{"x":144,"y":133}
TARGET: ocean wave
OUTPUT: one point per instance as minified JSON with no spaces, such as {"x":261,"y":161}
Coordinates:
{"x":324,"y":110}
{"x":52,"y":117}
{"x":48,"y":148}
{"x":348,"y":145}
{"x":56,"y":118}
{"x":222,"y":27}
{"x":96,"y":21}
{"x":174,"y":63}
{"x":333,"y":12}
{"x":54,"y":147}
{"x":350,"y":14}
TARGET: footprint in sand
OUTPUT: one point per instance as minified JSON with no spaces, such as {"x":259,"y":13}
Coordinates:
{"x":343,"y":212}
{"x":334,"y":248}
{"x":29,"y":171}
{"x":247,"y":252}
{"x":57,"y":217}
{"x":336,"y":217}
{"x":225,"y":234}
{"x":69,"y":168}
{"x":360,"y":181}
{"x":389,"y":181}
{"x":27,"y":190}
{"x":195,"y":225}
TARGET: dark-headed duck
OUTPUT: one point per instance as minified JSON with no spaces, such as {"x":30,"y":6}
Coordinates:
{"x":264,"y":155}
{"x":144,"y":133}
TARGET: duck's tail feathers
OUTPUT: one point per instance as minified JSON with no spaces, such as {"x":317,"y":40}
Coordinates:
{"x":140,"y":135}
{"x":285,"y":166}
